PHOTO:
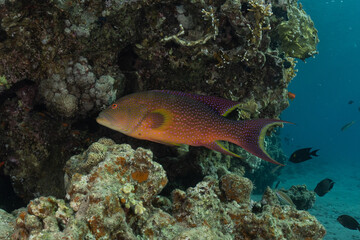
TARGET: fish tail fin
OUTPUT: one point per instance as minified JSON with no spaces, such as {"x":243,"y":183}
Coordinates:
{"x":250,"y":135}
{"x":314,"y":153}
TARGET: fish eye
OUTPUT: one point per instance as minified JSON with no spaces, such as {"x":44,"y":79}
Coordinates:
{"x":114,"y":106}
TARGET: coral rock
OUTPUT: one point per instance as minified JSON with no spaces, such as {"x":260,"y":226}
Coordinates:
{"x":303,"y":198}
{"x":236,"y":188}
{"x":6,"y":224}
{"x":298,"y":34}
{"x":113,"y":199}
{"x":102,"y":195}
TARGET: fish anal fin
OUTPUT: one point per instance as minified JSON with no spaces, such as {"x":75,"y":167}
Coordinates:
{"x":159,"y":119}
{"x":219,"y":147}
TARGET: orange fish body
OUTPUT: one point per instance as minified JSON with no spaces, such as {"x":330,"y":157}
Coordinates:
{"x":291,"y":95}
{"x":175,"y":118}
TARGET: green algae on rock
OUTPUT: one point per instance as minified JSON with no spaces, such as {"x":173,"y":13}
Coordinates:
{"x":298,"y":35}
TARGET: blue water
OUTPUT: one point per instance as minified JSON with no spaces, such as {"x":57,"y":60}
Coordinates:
{"x":323,"y":86}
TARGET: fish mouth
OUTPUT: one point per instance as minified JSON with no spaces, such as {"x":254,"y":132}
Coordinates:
{"x":103,"y":119}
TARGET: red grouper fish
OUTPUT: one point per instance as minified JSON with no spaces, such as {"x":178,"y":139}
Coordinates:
{"x":176,"y":118}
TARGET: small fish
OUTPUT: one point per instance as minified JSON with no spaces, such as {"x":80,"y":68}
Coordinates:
{"x":359,"y":109}
{"x":351,"y":102}
{"x":349,"y":222}
{"x":284,"y":198}
{"x":175,"y":118}
{"x":291,"y":95}
{"x":324,"y":187}
{"x":275,"y":169}
{"x":346,"y":126}
{"x":302,"y":155}
{"x":2,"y":163}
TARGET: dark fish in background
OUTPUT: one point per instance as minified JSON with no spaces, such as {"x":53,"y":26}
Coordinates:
{"x":349,"y":222}
{"x":346,"y":126}
{"x":324,"y":187}
{"x":351,"y":102}
{"x":302,"y":155}
{"x":359,"y":109}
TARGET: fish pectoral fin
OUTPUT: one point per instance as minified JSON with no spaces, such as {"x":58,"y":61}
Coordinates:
{"x":159,"y":119}
{"x":218,"y":146}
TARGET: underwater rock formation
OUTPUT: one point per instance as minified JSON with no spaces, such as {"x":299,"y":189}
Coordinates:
{"x":303,"y":198}
{"x":7,"y":224}
{"x":224,"y":48}
{"x":108,"y":185}
{"x":110,"y":193}
{"x":297,"y":34}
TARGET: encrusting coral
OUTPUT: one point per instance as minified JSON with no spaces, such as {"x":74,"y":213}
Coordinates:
{"x":113,"y":199}
{"x":298,"y":35}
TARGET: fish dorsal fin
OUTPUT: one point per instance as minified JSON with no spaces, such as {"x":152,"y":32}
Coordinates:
{"x":159,"y":119}
{"x":220,"y":105}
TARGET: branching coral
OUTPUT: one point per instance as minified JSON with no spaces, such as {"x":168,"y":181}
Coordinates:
{"x":207,"y":15}
{"x":260,"y":11}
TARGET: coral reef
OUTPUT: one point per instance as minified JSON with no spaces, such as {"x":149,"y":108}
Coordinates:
{"x":111,"y":190}
{"x":62,"y":61}
{"x":192,"y":44}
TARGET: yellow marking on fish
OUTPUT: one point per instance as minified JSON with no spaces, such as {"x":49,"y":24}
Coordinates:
{"x":261,"y":140}
{"x":159,"y":119}
{"x":227,"y":150}
{"x":231,"y":109}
